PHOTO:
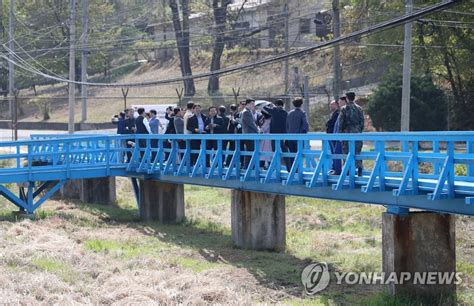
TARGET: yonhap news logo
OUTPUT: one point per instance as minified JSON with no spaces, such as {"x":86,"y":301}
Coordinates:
{"x":316,"y":277}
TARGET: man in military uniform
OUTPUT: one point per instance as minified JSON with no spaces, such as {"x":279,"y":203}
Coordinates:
{"x":351,"y":120}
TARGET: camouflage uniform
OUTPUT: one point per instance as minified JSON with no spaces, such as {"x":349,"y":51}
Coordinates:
{"x":351,"y":120}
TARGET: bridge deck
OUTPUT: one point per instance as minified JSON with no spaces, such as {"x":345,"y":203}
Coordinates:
{"x":430,"y":171}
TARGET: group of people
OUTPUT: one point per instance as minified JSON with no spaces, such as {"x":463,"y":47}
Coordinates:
{"x":346,"y":117}
{"x":246,"y":118}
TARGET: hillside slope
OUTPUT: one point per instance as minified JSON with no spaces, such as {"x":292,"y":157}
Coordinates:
{"x":258,"y":82}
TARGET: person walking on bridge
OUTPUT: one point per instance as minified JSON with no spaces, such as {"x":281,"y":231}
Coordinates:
{"x":179,"y":128}
{"x":214,"y":125}
{"x":196,"y":125}
{"x":187,"y":115}
{"x":225,"y":125}
{"x":278,"y":125}
{"x":296,"y":123}
{"x":231,"y":128}
{"x":143,"y":127}
{"x":155,"y":126}
{"x":351,"y":120}
{"x":121,"y":123}
{"x":130,"y":129}
{"x":335,"y":145}
{"x":155,"y":123}
{"x":249,"y":127}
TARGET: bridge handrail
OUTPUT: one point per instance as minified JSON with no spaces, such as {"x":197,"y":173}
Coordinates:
{"x":394,"y":161}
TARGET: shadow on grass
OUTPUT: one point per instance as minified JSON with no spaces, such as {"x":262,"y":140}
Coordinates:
{"x":278,"y":271}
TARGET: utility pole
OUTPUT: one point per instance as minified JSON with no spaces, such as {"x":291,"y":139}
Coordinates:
{"x":306,"y":95}
{"x":85,"y":30}
{"x":336,"y":29}
{"x":11,"y":67}
{"x":405,"y":115}
{"x":72,"y":70}
{"x":287,"y":49}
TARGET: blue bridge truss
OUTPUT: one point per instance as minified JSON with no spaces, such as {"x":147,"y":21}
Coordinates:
{"x":431,"y":171}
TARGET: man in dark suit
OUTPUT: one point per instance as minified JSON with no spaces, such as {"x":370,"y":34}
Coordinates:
{"x":214,"y":125}
{"x":231,"y":128}
{"x":278,"y":124}
{"x":225,"y":120}
{"x":279,"y":115}
{"x":296,"y":123}
{"x":226,"y":126}
{"x":143,"y":127}
{"x":335,"y":145}
{"x":169,"y":115}
{"x":196,"y":125}
{"x":249,"y":127}
{"x":130,"y":130}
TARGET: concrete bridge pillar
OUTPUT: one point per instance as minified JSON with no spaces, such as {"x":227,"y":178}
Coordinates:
{"x":258,"y":220}
{"x":420,"y":243}
{"x":163,"y":202}
{"x":71,"y":190}
{"x":97,"y":190}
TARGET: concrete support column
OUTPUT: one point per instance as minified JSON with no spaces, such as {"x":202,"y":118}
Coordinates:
{"x":163,"y":202}
{"x":258,"y":220}
{"x":71,"y":190}
{"x":99,"y":191}
{"x":420,"y":242}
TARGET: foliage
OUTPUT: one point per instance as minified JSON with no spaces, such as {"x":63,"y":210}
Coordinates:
{"x":144,"y":49}
{"x":44,"y":106}
{"x":42,"y":35}
{"x":428,"y":109}
{"x":442,"y":47}
{"x":463,"y":110}
{"x":318,"y":117}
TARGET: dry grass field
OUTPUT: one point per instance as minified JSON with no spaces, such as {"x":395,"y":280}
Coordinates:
{"x":77,"y":253}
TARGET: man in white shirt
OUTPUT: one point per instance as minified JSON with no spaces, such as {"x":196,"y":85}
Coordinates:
{"x":189,"y":113}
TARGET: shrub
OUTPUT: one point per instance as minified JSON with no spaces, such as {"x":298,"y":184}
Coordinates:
{"x":428,"y":109}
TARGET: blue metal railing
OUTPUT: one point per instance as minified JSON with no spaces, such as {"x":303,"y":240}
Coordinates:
{"x":434,"y":170}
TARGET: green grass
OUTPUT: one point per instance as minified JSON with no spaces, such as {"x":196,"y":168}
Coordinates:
{"x":115,"y":213}
{"x":195,"y":265}
{"x":385,"y":299}
{"x":10,"y":214}
{"x":467,"y":269}
{"x":64,"y":271}
{"x":310,"y":301}
{"x":125,"y":249}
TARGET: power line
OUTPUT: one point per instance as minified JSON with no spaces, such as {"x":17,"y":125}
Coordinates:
{"x":132,"y":39}
{"x":344,"y":38}
{"x":196,"y":34}
{"x":109,"y":49}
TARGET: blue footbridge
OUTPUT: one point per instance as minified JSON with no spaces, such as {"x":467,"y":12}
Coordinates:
{"x":431,"y":171}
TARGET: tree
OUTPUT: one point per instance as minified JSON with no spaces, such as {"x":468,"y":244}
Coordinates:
{"x":463,"y":111}
{"x":181,"y":30}
{"x":443,"y":48}
{"x":428,"y":110}
{"x":220,"y":18}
